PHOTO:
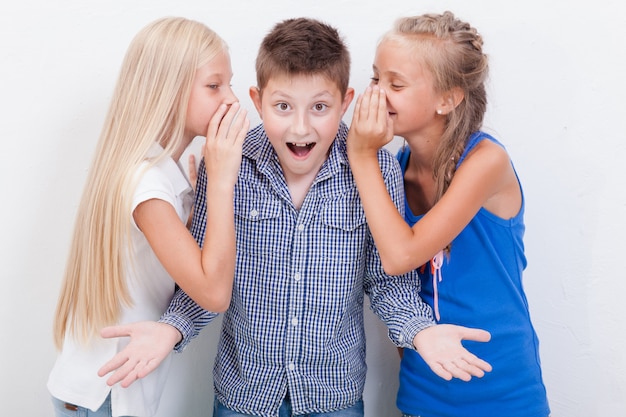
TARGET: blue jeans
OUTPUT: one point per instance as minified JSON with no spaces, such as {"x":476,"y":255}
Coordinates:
{"x":285,"y":411}
{"x":63,"y":409}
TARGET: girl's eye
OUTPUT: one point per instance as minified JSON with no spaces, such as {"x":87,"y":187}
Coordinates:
{"x":374,"y":80}
{"x":213,"y":86}
{"x":396,"y":86}
{"x":320,"y":106}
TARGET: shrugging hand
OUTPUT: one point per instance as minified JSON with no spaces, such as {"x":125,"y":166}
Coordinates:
{"x":150,"y":343}
{"x":440,"y":347}
{"x":372,"y":127}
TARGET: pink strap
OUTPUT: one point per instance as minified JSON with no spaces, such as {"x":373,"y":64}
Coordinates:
{"x":435,"y":268}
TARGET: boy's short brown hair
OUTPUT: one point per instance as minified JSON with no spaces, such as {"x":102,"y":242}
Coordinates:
{"x":303,"y":46}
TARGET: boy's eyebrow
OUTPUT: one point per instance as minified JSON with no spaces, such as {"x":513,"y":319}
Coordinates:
{"x":316,"y":96}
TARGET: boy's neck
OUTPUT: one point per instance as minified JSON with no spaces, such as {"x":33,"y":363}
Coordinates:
{"x":299,"y":186}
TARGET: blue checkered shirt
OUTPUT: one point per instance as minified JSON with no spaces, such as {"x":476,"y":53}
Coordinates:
{"x":295,"y":322}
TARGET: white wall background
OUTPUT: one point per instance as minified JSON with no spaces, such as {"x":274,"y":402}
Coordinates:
{"x":556,"y":100}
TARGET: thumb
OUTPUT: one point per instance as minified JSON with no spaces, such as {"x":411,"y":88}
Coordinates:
{"x":115,"y":331}
{"x":477,"y":335}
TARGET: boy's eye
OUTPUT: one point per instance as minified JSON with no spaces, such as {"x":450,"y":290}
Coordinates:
{"x":319,"y":107}
{"x":282,"y":106}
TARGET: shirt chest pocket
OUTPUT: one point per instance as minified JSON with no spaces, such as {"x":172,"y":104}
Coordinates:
{"x":345,"y":228}
{"x":259,"y":228}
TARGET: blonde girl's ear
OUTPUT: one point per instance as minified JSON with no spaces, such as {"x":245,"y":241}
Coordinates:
{"x":255,"y":95}
{"x":450,"y":99}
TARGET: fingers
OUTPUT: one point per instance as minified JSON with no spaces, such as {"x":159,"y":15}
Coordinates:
{"x":115,"y":331}
{"x":117,"y":361}
{"x":226,"y":124}
{"x":371,"y":118}
{"x":193,"y":171}
{"x":148,"y":367}
{"x":357,"y":110}
{"x":128,"y":380}
{"x":463,"y":368}
{"x":127,"y":371}
{"x":475,"y":365}
{"x":381,"y":107}
{"x":239,"y":127}
{"x":229,"y":125}
{"x":373,"y":105}
{"x":441,"y":348}
{"x":216,"y":121}
{"x":441,"y":372}
{"x":122,"y":372}
{"x":226,"y":120}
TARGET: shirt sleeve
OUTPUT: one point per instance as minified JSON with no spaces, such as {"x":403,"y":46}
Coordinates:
{"x":186,"y":316}
{"x":152,"y":184}
{"x":183,"y":313}
{"x":395,"y":299}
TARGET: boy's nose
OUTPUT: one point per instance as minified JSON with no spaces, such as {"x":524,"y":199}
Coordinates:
{"x":301,"y":124}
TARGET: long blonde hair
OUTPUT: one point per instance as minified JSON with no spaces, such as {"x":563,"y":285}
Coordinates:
{"x":452,"y":51}
{"x":149,"y":105}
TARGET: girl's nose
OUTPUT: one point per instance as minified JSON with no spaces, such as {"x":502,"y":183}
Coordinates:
{"x":230,"y":96}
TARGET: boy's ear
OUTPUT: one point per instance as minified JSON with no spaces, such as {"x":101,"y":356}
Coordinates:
{"x":347,"y":99}
{"x":255,"y":95}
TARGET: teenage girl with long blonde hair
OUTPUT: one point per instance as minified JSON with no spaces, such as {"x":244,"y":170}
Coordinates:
{"x":130,"y":245}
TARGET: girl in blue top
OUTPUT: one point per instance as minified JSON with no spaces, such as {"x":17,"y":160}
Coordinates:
{"x":464,"y":209}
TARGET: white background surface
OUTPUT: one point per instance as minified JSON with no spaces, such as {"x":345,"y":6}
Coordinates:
{"x":556,"y":101}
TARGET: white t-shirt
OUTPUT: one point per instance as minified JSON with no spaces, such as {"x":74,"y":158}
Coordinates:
{"x":74,"y":378}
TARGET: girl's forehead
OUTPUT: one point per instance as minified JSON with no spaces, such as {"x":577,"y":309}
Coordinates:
{"x":393,"y":53}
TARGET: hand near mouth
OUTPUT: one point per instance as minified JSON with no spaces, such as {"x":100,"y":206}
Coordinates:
{"x":372,"y":126}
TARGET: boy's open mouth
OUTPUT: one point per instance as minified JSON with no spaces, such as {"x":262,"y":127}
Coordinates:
{"x":300,"y":149}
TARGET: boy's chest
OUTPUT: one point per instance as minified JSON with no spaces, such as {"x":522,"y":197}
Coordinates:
{"x":330,"y":222}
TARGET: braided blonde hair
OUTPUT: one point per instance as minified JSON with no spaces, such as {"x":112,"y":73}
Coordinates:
{"x":452,"y":51}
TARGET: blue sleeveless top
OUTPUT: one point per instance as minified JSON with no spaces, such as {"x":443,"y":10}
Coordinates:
{"x":481,"y":287}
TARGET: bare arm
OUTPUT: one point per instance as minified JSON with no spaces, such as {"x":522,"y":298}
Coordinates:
{"x":485,"y":173}
{"x":207,"y":274}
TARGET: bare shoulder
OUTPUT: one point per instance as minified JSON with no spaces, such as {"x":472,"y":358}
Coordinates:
{"x":489,"y":152}
{"x":492,"y":164}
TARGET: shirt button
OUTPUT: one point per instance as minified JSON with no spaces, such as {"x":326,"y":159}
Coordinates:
{"x":300,"y":227}
{"x":297,"y":276}
{"x":254,"y":213}
{"x":291,"y":366}
{"x":294,"y":321}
